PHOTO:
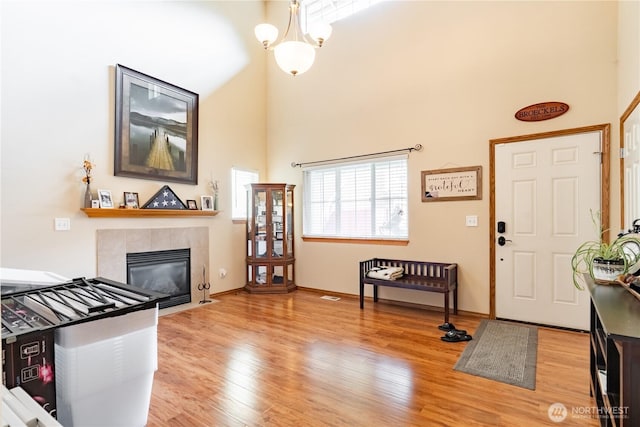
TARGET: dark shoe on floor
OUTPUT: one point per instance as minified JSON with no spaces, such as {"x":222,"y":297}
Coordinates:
{"x":453,"y":336}
{"x":446,"y":326}
{"x":451,"y":327}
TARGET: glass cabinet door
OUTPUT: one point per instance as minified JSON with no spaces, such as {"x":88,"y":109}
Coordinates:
{"x":250,"y":226}
{"x":260,"y":215}
{"x":288,"y":232}
{"x":276,"y":223}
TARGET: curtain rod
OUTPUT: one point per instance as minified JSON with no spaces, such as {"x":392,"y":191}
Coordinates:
{"x":417,"y":147}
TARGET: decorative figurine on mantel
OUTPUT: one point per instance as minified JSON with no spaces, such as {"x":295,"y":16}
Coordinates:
{"x":215,"y":186}
{"x":87,"y":166}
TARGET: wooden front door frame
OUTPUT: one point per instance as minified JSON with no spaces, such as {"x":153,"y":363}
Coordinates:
{"x":605,"y":129}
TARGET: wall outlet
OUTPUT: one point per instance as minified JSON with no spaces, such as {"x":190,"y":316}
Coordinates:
{"x":472,"y":221}
{"x":62,"y":224}
{"x":222,"y":273}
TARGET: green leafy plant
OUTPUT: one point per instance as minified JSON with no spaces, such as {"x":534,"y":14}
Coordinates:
{"x":625,"y":250}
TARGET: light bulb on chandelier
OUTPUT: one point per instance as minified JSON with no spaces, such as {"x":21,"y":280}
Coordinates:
{"x":295,"y":52}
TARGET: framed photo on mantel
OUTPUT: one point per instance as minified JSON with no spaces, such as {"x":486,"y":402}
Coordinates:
{"x":104,"y":196}
{"x":156,"y":135}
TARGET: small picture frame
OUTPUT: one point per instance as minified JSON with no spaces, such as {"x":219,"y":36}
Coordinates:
{"x":104,"y":196}
{"x":206,"y":203}
{"x":131,"y":200}
{"x":191,"y":204}
{"x":95,"y":203}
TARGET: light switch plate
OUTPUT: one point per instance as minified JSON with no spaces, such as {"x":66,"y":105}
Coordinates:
{"x":62,"y":224}
{"x":472,"y":221}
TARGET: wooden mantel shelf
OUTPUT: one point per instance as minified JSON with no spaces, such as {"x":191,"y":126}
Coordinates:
{"x":144,"y":213}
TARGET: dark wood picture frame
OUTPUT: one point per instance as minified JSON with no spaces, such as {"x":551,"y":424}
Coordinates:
{"x":441,"y":185}
{"x":131,"y":200}
{"x":156,"y":129}
{"x":191,"y":204}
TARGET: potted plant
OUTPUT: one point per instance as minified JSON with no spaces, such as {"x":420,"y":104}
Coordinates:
{"x":604,"y":261}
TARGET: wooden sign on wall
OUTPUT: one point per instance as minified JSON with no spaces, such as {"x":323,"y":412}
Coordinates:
{"x":452,"y":184}
{"x":542,"y":111}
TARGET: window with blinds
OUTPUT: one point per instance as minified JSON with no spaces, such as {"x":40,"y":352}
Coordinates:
{"x":357,"y":200}
{"x":330,"y":11}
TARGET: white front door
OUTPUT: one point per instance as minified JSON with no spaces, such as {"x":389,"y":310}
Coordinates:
{"x":544,"y":192}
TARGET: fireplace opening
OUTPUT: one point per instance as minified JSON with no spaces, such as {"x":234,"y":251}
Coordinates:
{"x":167,"y":272}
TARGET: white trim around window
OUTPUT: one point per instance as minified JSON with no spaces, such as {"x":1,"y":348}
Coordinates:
{"x":357,"y":200}
{"x":240,"y":179}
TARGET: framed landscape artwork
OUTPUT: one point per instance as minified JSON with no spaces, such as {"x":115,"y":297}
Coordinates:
{"x":156,"y":135}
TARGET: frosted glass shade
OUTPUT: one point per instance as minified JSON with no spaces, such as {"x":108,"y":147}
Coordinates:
{"x":266,"y":34}
{"x":320,"y":32}
{"x":294,"y":57}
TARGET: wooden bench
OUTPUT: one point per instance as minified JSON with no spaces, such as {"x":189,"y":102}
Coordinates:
{"x":418,"y":275}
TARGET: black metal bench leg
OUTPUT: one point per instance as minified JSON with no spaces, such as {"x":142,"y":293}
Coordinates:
{"x":375,"y":293}
{"x":361,"y":295}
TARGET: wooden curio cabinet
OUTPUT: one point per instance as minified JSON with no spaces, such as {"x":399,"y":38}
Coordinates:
{"x":270,"y":256}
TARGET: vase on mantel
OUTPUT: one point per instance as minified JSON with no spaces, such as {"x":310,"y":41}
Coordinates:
{"x":215,"y":202}
{"x":87,"y":196}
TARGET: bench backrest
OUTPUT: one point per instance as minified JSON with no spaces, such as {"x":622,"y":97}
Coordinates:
{"x":446,"y":271}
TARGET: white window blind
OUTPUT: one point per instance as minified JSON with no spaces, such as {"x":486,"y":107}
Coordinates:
{"x":330,"y":11}
{"x":357,"y":200}
{"x":240,"y":179}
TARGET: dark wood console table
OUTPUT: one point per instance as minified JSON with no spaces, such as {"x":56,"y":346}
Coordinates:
{"x":615,"y":354}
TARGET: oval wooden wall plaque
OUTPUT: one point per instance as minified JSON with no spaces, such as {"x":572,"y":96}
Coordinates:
{"x":542,"y":111}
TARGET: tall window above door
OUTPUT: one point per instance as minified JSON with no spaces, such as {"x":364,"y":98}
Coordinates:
{"x":359,"y":200}
{"x":329,"y":11}
{"x":240,"y":179}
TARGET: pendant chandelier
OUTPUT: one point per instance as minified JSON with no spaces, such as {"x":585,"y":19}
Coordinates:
{"x":295,"y":51}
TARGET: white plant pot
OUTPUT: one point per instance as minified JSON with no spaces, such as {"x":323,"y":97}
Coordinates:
{"x":607,"y":271}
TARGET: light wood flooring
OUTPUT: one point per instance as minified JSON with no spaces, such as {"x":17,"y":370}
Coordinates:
{"x":299,"y":360}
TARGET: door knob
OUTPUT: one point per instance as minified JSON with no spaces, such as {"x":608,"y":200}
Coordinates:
{"x":502,"y":241}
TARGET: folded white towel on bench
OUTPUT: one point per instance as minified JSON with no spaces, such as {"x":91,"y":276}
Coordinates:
{"x":385,"y":273}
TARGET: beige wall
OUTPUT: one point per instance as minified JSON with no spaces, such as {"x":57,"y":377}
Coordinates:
{"x":58,"y":60}
{"x":628,"y":53}
{"x":448,"y":75}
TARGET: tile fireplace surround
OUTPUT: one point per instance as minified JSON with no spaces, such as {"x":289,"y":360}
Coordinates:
{"x":113,"y":246}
